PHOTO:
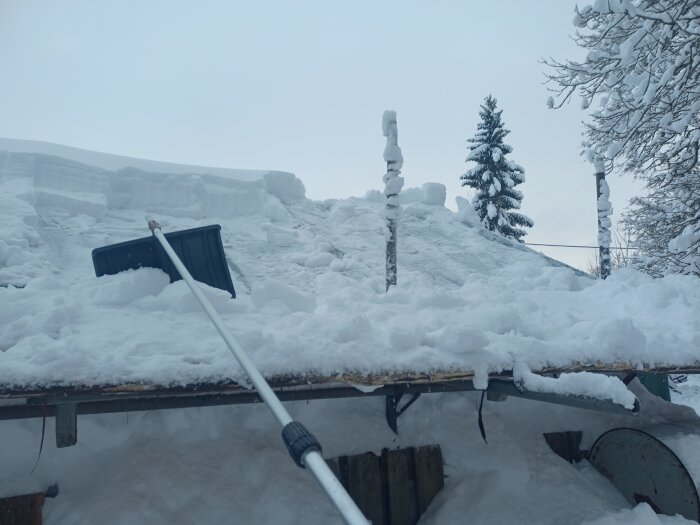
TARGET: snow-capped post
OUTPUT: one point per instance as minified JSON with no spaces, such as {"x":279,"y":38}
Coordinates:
{"x":640,"y":84}
{"x":604,"y":212}
{"x":392,"y":187}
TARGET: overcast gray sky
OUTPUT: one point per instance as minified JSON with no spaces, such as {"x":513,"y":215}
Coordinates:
{"x":301,"y":86}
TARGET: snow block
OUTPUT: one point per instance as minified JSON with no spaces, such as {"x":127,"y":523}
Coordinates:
{"x":76,"y":203}
{"x":466,"y":214}
{"x":434,"y":193}
{"x":199,"y":249}
{"x":285,"y":186}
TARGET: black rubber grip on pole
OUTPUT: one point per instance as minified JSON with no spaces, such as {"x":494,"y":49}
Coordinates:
{"x":299,"y":441}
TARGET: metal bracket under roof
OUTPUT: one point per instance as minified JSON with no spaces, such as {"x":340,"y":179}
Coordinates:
{"x":393,"y":411}
{"x":66,"y":404}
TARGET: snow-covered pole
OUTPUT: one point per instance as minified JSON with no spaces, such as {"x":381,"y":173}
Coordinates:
{"x":392,"y":187}
{"x":604,"y":212}
{"x":301,"y":444}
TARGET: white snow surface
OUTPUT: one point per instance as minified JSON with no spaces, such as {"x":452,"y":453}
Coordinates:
{"x":642,"y":514}
{"x":310,"y":283}
{"x":228,"y":464}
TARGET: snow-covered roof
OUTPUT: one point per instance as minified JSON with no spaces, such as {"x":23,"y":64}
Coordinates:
{"x":310,"y":283}
{"x":108,"y":161}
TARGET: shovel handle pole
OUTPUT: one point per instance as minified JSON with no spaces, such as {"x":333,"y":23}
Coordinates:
{"x":311,"y":457}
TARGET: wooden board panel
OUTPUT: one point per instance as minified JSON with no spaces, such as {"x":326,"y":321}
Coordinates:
{"x":21,"y":510}
{"x":365,"y":485}
{"x":396,"y":488}
{"x":398,"y":465}
{"x":66,"y":425}
{"x":429,"y":475}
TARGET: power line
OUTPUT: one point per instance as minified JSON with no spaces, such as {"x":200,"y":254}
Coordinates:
{"x":577,"y":246}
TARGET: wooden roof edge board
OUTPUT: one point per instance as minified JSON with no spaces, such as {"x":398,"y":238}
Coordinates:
{"x":280,"y":382}
{"x":276,"y":382}
{"x":103,"y":402}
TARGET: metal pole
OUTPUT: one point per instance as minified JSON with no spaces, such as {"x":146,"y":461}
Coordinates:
{"x":310,"y":458}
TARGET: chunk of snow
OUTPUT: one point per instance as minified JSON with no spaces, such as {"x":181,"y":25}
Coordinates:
{"x":392,"y":154}
{"x":285,"y":186}
{"x":273,"y":291}
{"x":586,"y":384}
{"x":367,"y":389}
{"x":434,"y":194}
{"x":392,"y":185}
{"x":280,"y":237}
{"x":613,"y":150}
{"x":388,"y":119}
{"x":491,"y":210}
{"x":125,"y":287}
{"x":466,"y":213}
{"x":75,"y":203}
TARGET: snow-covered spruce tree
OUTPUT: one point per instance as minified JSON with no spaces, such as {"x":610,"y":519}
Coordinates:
{"x":494,"y":177}
{"x":643,"y":69}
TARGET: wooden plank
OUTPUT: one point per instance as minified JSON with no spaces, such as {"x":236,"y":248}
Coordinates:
{"x":281,"y":382}
{"x":365,"y":486}
{"x":66,"y":425}
{"x":429,"y":475}
{"x":398,"y":475}
{"x":21,"y":510}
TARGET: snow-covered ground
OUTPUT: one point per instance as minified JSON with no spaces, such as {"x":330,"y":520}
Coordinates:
{"x":310,"y":283}
{"x":228,"y":464}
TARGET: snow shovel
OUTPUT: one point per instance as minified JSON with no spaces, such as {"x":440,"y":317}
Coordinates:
{"x":301,"y":444}
{"x":201,"y":249}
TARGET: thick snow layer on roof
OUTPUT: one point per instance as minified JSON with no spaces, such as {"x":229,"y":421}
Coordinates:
{"x":310,"y":282}
{"x":109,"y":161}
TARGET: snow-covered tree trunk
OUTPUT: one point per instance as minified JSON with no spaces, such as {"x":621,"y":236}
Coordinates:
{"x":392,"y":187}
{"x":604,"y":223}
